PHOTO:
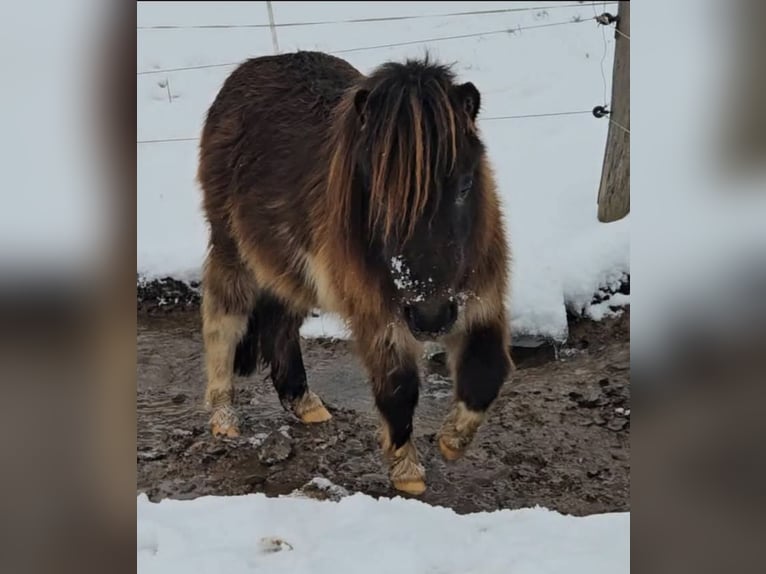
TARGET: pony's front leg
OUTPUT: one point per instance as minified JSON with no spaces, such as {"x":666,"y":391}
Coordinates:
{"x":391,"y":361}
{"x":480,"y":361}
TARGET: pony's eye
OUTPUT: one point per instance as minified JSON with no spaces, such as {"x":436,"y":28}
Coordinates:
{"x":466,"y":184}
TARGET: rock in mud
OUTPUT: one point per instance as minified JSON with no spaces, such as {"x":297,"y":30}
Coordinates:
{"x":276,"y":448}
{"x":599,"y":420}
{"x":373,"y":482}
{"x":179,"y":399}
{"x":619,"y":455}
{"x":324,"y":443}
{"x":354,"y":447}
{"x":150,"y":455}
{"x":216,"y":449}
{"x":617,"y":424}
{"x":588,"y":398}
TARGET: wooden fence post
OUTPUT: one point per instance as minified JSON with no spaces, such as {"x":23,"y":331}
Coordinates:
{"x":614,"y":190}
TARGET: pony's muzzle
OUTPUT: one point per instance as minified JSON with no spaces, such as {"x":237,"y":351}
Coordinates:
{"x":430,"y":319}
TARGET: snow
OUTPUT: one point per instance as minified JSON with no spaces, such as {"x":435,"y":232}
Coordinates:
{"x":325,"y":326}
{"x":414,"y":290}
{"x":326,"y":485}
{"x":548,"y":168}
{"x":295,"y":535}
{"x":607,"y":308}
{"x":401,"y":273}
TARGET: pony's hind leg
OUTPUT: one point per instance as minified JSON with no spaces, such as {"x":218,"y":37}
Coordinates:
{"x":227,"y":297}
{"x":279,"y":341}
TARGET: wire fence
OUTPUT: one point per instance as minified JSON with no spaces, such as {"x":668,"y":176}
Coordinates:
{"x":508,"y":31}
{"x":493,"y":12}
{"x":487,"y":119}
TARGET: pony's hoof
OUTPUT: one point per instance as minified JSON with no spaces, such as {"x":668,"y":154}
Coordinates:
{"x":407,"y":474}
{"x":224,"y":431}
{"x":224,"y":422}
{"x":310,"y":410}
{"x":450,"y":454}
{"x":414,"y":487}
{"x":317,"y":415}
{"x":458,"y":431}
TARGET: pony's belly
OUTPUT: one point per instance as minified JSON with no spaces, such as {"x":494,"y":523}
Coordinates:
{"x":281,"y":275}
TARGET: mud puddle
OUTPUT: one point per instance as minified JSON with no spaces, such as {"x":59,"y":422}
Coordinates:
{"x":557,"y":437}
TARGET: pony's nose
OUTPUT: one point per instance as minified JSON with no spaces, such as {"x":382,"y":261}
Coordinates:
{"x":430,"y":318}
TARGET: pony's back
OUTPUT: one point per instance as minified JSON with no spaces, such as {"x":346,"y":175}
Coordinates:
{"x":262,"y":138}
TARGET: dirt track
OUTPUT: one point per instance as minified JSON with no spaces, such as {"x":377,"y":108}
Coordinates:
{"x":558,"y":435}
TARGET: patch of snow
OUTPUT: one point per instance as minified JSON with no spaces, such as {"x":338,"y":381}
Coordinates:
{"x":296,"y":535}
{"x":412,"y":289}
{"x":325,"y":326}
{"x":397,"y":264}
{"x":608,"y":308}
{"x":568,"y":352}
{"x":257,"y":439}
{"x":325,"y":485}
{"x":402,"y":277}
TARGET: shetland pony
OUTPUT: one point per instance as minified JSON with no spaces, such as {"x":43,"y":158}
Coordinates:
{"x":367,"y":196}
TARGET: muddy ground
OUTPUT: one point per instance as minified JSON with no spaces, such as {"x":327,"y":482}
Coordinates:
{"x":558,"y":435}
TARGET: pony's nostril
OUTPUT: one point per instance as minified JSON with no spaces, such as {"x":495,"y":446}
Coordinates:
{"x":430,"y":317}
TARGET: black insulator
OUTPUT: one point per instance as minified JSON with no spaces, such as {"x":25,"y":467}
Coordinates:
{"x":600,"y":111}
{"x":606,"y":18}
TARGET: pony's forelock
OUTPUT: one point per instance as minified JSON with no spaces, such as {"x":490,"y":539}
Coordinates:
{"x":410,"y":137}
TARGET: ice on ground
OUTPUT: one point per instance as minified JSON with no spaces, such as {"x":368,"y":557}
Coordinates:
{"x":293,"y":535}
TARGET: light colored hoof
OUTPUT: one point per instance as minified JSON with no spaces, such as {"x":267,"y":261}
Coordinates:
{"x":413,"y":487}
{"x":450,"y":454}
{"x":224,"y":422}
{"x":458,"y":431}
{"x":406,"y":473}
{"x":310,"y":409}
{"x":224,"y":431}
{"x":317,"y":415}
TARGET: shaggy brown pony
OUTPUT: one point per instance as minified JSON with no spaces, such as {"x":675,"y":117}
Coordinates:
{"x":366,"y":196}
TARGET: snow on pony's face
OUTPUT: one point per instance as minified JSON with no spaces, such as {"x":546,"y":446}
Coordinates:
{"x":428,"y":270}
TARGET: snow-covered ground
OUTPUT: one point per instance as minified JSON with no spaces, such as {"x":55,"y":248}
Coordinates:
{"x":548,"y":167}
{"x":358,"y":533}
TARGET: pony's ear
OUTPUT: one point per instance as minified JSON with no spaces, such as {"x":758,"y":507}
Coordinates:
{"x":469,"y":96}
{"x":360,"y":103}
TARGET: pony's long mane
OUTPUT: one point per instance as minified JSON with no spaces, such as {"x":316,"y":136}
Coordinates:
{"x":409,"y":136}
